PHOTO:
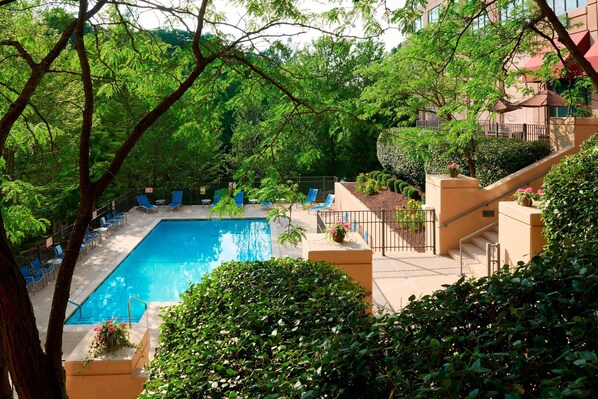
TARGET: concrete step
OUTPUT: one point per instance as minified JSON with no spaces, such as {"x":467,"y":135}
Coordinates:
{"x":478,"y":270}
{"x":481,"y":242}
{"x":475,"y":252}
{"x":491,"y":236}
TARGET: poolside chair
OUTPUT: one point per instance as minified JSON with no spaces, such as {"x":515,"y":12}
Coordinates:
{"x":36,"y":267}
{"x":31,"y":279}
{"x":58,"y":252}
{"x":177,"y":200}
{"x":112,"y":223}
{"x":121,"y":218}
{"x":145,"y":204}
{"x":311,"y":196}
{"x":266,"y":205}
{"x":218,"y":195}
{"x":91,"y":239}
{"x":239,"y":197}
{"x":326,"y":205}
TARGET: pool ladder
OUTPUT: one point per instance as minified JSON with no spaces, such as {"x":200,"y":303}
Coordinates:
{"x":132,"y":298}
{"x":78,"y":305}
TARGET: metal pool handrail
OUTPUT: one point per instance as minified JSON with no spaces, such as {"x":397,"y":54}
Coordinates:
{"x":129,"y":307}
{"x":78,"y":305}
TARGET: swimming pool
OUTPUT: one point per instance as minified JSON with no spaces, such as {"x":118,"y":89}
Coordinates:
{"x":174,"y":254}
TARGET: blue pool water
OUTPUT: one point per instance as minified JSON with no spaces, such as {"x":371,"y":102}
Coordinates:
{"x":174,"y":254}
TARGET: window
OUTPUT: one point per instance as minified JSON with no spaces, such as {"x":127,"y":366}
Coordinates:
{"x":581,"y":100}
{"x":562,"y":6}
{"x":418,"y":24}
{"x":479,"y":22}
{"x":512,"y":10}
{"x":433,"y":14}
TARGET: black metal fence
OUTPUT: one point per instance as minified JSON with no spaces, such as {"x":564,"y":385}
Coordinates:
{"x":520,"y":131}
{"x":44,"y":247}
{"x":388,"y":230}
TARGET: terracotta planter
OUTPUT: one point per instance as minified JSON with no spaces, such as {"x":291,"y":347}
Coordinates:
{"x":525,"y":202}
{"x":453,"y":174}
{"x":338,"y":238}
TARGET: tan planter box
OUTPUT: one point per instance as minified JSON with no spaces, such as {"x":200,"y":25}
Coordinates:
{"x":520,"y":232}
{"x":353,"y":256}
{"x":116,"y":376}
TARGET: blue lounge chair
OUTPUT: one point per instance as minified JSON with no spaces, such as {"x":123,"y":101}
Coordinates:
{"x":121,"y":218}
{"x":108,"y":225}
{"x":218,"y":195}
{"x":36,"y":267}
{"x":112,"y":223}
{"x":311,"y":196}
{"x":177,"y":200}
{"x":145,"y":204}
{"x":266,"y":204}
{"x":91,"y":239}
{"x":326,"y":205}
{"x":239,"y":197}
{"x":31,"y":279}
{"x":58,"y":252}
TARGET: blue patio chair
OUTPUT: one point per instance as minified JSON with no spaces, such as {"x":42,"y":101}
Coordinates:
{"x":112,"y":223}
{"x":266,"y":204}
{"x":326,"y":205}
{"x":311,"y":196}
{"x":36,"y":267}
{"x":91,"y":239}
{"x":239,"y":197}
{"x":145,"y":204}
{"x":58,"y":252}
{"x":31,"y":279}
{"x":218,"y":196}
{"x":177,"y":200}
{"x":121,"y":218}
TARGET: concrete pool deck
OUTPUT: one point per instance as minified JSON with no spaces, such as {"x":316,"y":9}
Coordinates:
{"x":395,"y":276}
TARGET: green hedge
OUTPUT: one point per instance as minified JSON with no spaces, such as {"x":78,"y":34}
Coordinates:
{"x":296,"y":329}
{"x":278,"y":329}
{"x":530,"y":334}
{"x":570,"y":199}
{"x":495,"y":158}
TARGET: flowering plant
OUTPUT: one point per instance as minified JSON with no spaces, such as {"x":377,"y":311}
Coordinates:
{"x":527,"y":194}
{"x":337,"y":229}
{"x":453,"y":169}
{"x":110,"y":336}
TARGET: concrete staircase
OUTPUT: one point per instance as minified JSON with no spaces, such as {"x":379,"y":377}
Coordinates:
{"x":475,"y":260}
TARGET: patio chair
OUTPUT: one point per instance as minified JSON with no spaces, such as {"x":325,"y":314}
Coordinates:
{"x":92,"y":239}
{"x":218,"y":195}
{"x":145,"y":204}
{"x":121,"y":218}
{"x":31,"y":280}
{"x":36,"y":267}
{"x":311,"y":196}
{"x":326,"y":205}
{"x":112,"y":223}
{"x":239,"y":197}
{"x":177,"y":200}
{"x":266,"y":205}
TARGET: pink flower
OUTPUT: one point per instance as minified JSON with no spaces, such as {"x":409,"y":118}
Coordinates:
{"x":123,"y":324}
{"x":528,"y":190}
{"x":540,"y":192}
{"x":96,"y":328}
{"x":333,"y":230}
{"x":520,"y":190}
{"x":111,"y":329}
{"x":346,"y":226}
{"x":108,"y":322}
{"x":453,"y":166}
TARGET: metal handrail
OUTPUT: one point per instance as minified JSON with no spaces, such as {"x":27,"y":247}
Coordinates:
{"x":490,"y":259}
{"x":467,"y":238}
{"x":486,"y":203}
{"x":78,"y":305}
{"x":129,"y":309}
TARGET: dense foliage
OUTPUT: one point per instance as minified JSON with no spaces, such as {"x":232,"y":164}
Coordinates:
{"x":297,"y":329}
{"x":277,"y":329}
{"x":494,"y":158}
{"x":570,"y":199}
{"x":529,"y":334}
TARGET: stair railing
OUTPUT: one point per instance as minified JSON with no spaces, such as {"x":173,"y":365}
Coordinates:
{"x":493,"y":258}
{"x":461,"y":241}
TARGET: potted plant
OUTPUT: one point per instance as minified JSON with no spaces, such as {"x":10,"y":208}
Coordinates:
{"x":110,"y":336}
{"x":526,"y":196}
{"x":337,"y":231}
{"x":453,"y":169}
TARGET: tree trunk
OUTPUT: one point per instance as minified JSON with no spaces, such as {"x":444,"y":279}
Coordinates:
{"x":5,"y":388}
{"x":27,"y":362}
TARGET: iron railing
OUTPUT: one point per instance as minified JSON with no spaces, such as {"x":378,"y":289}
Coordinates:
{"x":521,"y":131}
{"x":387,"y":230}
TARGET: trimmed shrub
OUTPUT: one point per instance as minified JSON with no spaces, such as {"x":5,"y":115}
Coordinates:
{"x":414,"y":194}
{"x":495,"y":158}
{"x":570,"y":199}
{"x":374,"y":174}
{"x":397,"y":186}
{"x":390,"y":183}
{"x":405,"y":190}
{"x":529,"y":334}
{"x":285,"y":328}
{"x":402,"y":185}
{"x":383,"y":178}
{"x":412,"y":218}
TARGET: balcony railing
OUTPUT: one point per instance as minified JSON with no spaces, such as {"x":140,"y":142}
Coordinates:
{"x":520,"y":131}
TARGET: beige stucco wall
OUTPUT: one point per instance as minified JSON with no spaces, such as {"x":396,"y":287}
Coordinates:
{"x":520,"y":232}
{"x":353,"y":256}
{"x":110,"y":376}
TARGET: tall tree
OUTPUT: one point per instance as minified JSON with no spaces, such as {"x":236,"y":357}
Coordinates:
{"x":112,"y":53}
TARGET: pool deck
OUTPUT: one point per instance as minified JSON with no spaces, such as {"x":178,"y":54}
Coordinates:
{"x":396,"y":276}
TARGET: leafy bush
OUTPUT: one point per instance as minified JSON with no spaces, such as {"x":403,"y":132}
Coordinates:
{"x":414,"y":194}
{"x":411,"y":218}
{"x":529,"y":334}
{"x":397,"y":186}
{"x":371,"y":188}
{"x":284,"y":328}
{"x":495,"y":158}
{"x":570,"y":199}
{"x":390,"y":183}
{"x":374,"y":174}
